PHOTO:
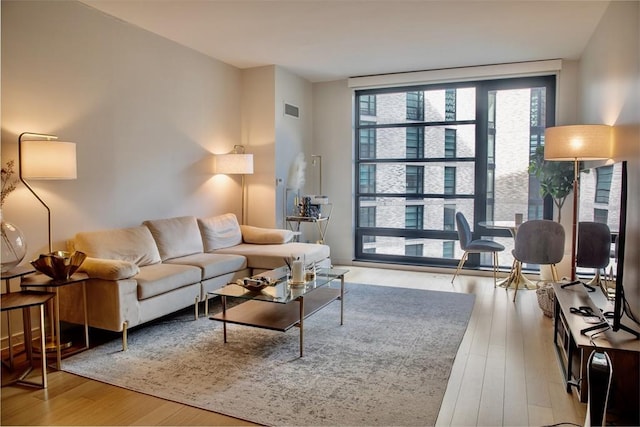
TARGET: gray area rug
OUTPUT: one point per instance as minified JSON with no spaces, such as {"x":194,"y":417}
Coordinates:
{"x":387,"y":365}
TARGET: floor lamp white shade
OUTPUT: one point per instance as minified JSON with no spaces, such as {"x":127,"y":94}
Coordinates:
{"x":49,"y":160}
{"x":235,"y":164}
{"x":577,"y":143}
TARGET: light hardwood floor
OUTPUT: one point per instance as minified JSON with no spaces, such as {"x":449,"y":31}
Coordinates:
{"x":505,"y":372}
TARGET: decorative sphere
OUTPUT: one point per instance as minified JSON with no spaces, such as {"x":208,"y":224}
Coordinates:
{"x":14,"y":247}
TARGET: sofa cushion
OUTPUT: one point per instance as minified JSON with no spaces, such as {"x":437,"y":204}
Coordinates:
{"x":176,"y":237}
{"x":212,"y":265}
{"x":272,"y":256}
{"x":221,"y":231}
{"x":133,"y":244}
{"x":109,"y":269}
{"x":265,"y":236}
{"x":158,"y":279}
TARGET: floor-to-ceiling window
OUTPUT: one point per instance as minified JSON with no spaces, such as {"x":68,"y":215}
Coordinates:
{"x":427,"y":152}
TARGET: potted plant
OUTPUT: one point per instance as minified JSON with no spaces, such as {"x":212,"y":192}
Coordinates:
{"x":556,"y":178}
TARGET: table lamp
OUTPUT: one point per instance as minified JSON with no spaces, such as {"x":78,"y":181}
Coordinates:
{"x":577,"y":143}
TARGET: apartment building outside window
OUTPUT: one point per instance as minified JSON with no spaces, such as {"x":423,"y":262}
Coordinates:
{"x":441,"y":149}
{"x":603,"y":183}
{"x":368,"y":105}
{"x":414,"y":217}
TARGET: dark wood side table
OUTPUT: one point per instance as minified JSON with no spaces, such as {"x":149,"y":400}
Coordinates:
{"x":40,"y":281}
{"x":14,"y":273}
{"x":25,"y":300}
{"x":574,"y":347}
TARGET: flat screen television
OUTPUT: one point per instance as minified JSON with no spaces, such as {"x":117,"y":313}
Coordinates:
{"x":600,"y":188}
{"x":622,"y":307}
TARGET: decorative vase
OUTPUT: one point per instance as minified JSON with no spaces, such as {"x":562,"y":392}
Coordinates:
{"x":14,"y":247}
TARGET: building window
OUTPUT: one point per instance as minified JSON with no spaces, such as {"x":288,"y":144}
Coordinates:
{"x":600,"y":215}
{"x":603,"y":184}
{"x":448,"y":249}
{"x":413,"y":217}
{"x":449,"y":180}
{"x":449,"y":217}
{"x":368,"y":141}
{"x":450,"y":105}
{"x":415,"y":143}
{"x":413,"y":249}
{"x":415,"y":181}
{"x":450,"y":143}
{"x":415,"y":106}
{"x":368,"y":105}
{"x":368,"y":220}
{"x":367,"y":182}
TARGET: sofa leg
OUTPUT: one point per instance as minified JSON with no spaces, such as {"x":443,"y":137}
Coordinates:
{"x":125,"y":325}
{"x":196,"y":307}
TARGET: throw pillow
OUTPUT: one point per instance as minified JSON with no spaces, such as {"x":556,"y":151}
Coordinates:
{"x":221,"y":231}
{"x":265,"y":236}
{"x":109,"y":269}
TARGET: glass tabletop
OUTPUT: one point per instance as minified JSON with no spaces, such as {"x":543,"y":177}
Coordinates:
{"x":281,"y":290}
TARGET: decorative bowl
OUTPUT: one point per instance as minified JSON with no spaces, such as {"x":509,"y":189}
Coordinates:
{"x":59,"y":265}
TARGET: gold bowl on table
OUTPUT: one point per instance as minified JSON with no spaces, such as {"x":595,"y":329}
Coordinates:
{"x":59,"y":265}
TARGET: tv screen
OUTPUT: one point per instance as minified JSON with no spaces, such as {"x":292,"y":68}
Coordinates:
{"x":604,"y":198}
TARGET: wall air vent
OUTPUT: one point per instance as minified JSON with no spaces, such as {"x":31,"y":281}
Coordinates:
{"x":291,"y":110}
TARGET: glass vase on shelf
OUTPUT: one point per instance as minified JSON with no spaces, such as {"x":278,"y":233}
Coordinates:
{"x":14,"y":247}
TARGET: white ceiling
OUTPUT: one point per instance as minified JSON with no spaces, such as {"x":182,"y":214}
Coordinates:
{"x":324,"y":40}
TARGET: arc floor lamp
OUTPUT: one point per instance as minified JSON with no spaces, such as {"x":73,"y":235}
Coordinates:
{"x":42,"y":156}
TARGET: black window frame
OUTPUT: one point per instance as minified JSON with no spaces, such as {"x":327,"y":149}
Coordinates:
{"x":482,"y":131}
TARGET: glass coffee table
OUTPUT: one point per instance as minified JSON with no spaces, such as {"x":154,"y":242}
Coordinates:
{"x":281,"y":305}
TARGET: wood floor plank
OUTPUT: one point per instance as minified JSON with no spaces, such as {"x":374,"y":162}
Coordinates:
{"x":491,"y":408}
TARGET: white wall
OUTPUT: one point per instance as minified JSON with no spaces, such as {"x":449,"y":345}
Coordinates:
{"x":293,"y":135}
{"x":258,"y":135}
{"x":610,"y":94}
{"x":333,"y":140}
{"x":146,"y":115}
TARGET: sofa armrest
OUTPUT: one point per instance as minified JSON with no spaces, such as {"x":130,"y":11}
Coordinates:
{"x":109,"y":269}
{"x":265,"y":236}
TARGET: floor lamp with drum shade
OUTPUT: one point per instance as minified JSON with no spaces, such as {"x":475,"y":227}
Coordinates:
{"x":577,"y":143}
{"x":43,"y":157}
{"x":235,"y":163}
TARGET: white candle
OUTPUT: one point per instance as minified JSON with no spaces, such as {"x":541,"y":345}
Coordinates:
{"x":297,"y":270}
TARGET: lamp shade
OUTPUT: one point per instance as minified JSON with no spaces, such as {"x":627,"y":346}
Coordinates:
{"x":48,"y":160}
{"x":578,"y":142}
{"x":233,"y":164}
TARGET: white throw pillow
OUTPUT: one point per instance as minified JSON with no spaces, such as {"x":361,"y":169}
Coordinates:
{"x":265,"y":236}
{"x":109,"y":269}
{"x":218,"y":232}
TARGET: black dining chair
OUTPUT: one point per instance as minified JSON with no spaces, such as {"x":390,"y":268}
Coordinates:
{"x":539,"y":241}
{"x":594,"y":250}
{"x":468,"y":245}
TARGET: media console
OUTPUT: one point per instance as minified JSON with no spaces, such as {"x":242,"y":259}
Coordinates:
{"x":574,"y":346}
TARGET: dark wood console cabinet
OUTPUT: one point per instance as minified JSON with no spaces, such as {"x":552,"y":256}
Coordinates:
{"x":574,"y":347}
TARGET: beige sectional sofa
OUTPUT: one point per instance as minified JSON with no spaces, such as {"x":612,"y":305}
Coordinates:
{"x":141,"y":273}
